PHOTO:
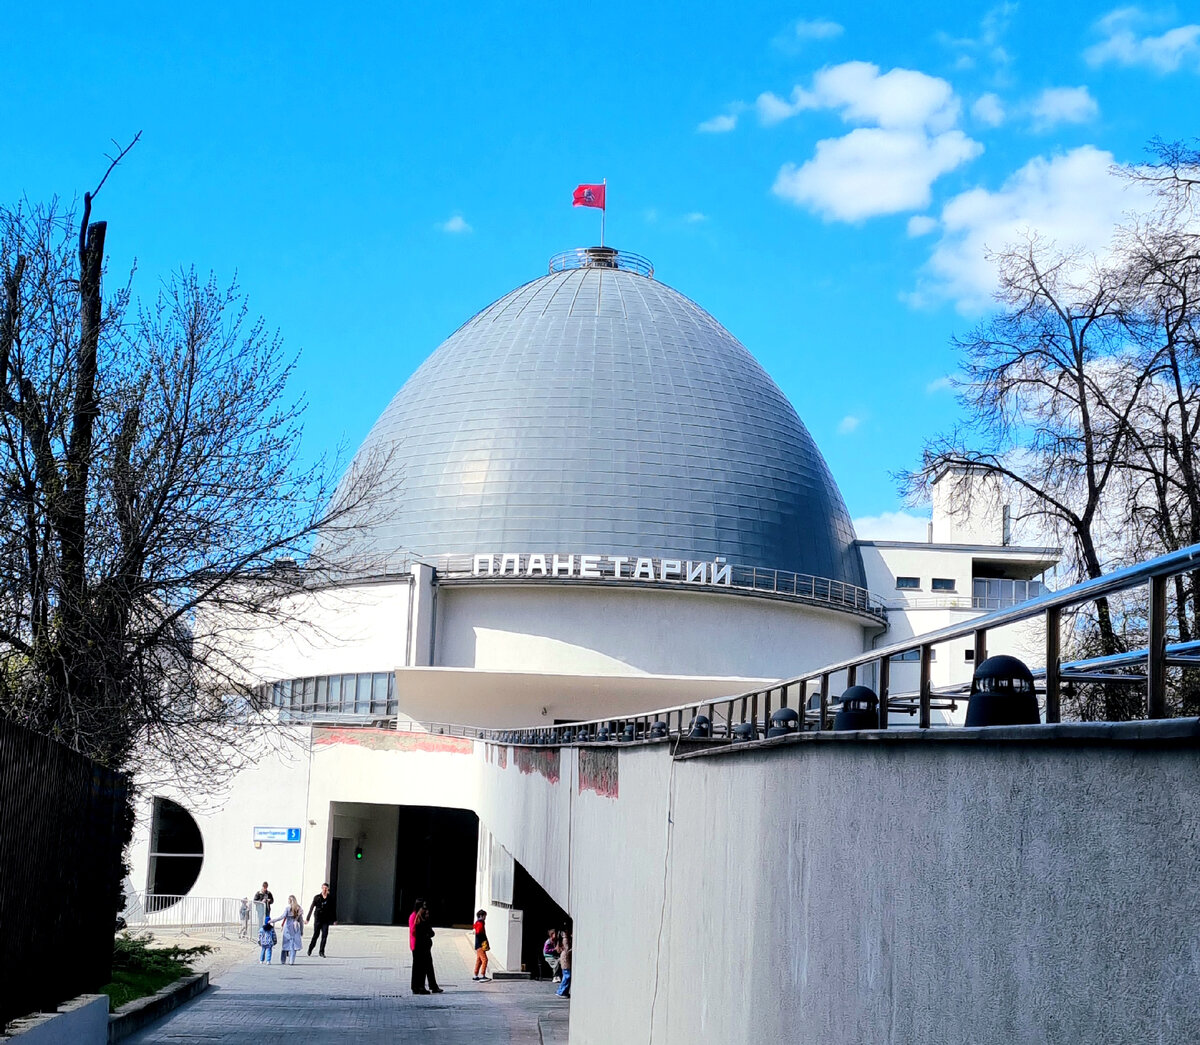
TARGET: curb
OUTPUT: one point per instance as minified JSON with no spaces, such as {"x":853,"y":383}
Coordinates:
{"x":134,"y":1015}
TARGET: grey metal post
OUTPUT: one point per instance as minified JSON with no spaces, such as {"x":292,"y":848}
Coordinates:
{"x":980,"y":646}
{"x":1156,"y":650}
{"x":1053,"y":660}
{"x":885,"y":673}
{"x":926,"y":684}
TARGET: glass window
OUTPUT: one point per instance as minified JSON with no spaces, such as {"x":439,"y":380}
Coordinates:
{"x":335,"y":693}
{"x":362,"y":702}
{"x":942,"y":584}
{"x":379,"y":692}
{"x":322,"y":698}
{"x":968,"y":655}
{"x":908,"y":582}
{"x":913,"y":655}
{"x":308,"y":693}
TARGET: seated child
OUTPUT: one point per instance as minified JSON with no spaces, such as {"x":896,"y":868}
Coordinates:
{"x":266,"y":940}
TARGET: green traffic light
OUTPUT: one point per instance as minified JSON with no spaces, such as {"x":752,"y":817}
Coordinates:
{"x":358,"y":853}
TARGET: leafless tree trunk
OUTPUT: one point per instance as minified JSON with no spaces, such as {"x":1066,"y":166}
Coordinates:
{"x":149,"y":478}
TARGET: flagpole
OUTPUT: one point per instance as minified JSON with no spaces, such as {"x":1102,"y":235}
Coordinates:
{"x":603,"y":211}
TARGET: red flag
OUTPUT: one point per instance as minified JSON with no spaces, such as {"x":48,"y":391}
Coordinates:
{"x":589,"y":196}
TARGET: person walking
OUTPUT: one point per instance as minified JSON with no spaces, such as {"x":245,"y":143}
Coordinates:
{"x":293,"y":931}
{"x":326,"y":915}
{"x":550,"y":953}
{"x":266,"y":941}
{"x":564,"y":963}
{"x":481,"y":945}
{"x":420,"y":940}
{"x":264,"y":897}
{"x":244,"y":917}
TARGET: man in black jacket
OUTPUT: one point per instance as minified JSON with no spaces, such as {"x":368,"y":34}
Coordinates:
{"x":264,"y":897}
{"x":326,"y":915}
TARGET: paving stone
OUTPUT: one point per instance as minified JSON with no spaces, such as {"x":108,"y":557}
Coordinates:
{"x":359,"y":995}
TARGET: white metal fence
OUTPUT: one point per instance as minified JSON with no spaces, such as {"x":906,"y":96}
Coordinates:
{"x":224,"y":916}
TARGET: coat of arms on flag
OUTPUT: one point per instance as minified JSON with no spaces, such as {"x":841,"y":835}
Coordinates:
{"x":589,"y":196}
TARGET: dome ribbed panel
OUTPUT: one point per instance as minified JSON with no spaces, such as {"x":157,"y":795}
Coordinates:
{"x":596,"y":410}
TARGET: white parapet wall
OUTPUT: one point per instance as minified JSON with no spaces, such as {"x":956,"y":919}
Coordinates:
{"x":1021,"y":885}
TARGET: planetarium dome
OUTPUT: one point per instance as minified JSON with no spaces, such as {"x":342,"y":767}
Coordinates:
{"x":597,"y":410}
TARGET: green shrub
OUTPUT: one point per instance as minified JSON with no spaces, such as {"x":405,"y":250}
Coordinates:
{"x":140,"y":969}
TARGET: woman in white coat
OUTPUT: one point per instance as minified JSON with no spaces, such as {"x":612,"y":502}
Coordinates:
{"x":293,"y":930}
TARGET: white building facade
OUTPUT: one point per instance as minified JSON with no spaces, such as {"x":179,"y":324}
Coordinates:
{"x":597,"y":504}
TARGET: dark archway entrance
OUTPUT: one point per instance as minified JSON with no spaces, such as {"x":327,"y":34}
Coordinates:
{"x":436,"y":860}
{"x":384,"y":856}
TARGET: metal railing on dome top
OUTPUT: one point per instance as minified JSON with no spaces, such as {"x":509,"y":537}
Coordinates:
{"x":747,"y":716}
{"x":601,"y":258}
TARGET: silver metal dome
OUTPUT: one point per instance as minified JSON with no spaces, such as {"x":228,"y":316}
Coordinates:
{"x":598,"y":410}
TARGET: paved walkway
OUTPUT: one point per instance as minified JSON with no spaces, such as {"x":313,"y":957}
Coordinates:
{"x":359,"y":995}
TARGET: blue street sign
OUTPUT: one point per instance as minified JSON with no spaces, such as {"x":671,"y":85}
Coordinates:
{"x":277,"y":834}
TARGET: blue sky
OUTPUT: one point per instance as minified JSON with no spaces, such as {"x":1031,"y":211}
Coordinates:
{"x":824,"y":180}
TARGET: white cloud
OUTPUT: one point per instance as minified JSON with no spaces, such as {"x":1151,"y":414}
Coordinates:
{"x":802,"y":32}
{"x":773,"y":109}
{"x":848,"y":424}
{"x":988,"y":44}
{"x":892,"y":526}
{"x":719,"y":124}
{"x":815,"y":29}
{"x":899,"y":99}
{"x":455,"y":225}
{"x":989,"y":110}
{"x":1057,"y":105}
{"x":695,"y":217}
{"x":1124,"y":43}
{"x":883,"y":168}
{"x":1072,"y":200}
{"x":921,"y":225}
{"x":873,"y":171}
{"x":941,"y":384}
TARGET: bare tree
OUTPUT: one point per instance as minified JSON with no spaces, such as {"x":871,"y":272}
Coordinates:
{"x":1047,"y":390}
{"x":1083,"y":393}
{"x":149,"y":475}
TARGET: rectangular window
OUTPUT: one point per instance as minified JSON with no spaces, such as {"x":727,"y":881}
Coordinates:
{"x":335,"y":694}
{"x":942,"y":584}
{"x":913,"y":655}
{"x":908,"y":582}
{"x":379,"y":690}
{"x":362,"y":702}
{"x":968,"y":655}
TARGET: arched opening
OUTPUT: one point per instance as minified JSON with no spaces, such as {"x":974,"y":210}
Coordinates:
{"x":176,"y":854}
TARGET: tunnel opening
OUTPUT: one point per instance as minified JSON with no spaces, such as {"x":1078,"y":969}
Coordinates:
{"x":383,"y":857}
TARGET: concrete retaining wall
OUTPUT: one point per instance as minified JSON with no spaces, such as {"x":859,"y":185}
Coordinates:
{"x":1026,"y":885}
{"x":140,"y":1012}
{"x":80,"y":1021}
